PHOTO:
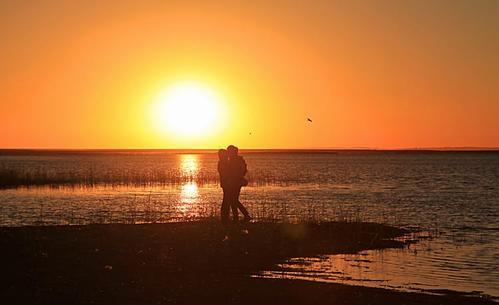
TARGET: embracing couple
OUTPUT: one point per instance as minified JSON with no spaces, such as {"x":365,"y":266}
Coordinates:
{"x":232,"y":169}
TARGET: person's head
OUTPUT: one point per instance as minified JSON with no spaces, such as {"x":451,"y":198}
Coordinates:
{"x":232,"y":151}
{"x":222,"y":154}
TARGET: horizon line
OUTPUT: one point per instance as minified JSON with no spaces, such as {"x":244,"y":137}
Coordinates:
{"x":360,"y":148}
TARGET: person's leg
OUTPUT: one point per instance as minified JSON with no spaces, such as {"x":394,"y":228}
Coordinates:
{"x":240,"y":206}
{"x":225,"y":210}
{"x":233,"y":204}
{"x":243,"y":210}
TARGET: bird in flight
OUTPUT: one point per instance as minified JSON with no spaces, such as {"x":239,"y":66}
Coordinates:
{"x":309,"y":120}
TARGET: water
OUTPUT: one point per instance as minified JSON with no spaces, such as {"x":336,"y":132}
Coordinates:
{"x":453,"y":196}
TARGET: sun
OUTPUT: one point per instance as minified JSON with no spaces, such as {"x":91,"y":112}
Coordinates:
{"x":187,"y":109}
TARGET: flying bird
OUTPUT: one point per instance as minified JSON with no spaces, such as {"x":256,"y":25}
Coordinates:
{"x":309,"y":120}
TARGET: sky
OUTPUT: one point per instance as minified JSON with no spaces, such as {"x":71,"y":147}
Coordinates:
{"x":377,"y":74}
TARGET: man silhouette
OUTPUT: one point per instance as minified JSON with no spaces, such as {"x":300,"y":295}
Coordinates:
{"x":237,"y":169}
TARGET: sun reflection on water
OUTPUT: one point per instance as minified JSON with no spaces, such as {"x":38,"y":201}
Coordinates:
{"x":189,"y":165}
{"x":189,"y":193}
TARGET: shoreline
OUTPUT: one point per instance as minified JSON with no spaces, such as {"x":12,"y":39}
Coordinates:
{"x":187,"y":263}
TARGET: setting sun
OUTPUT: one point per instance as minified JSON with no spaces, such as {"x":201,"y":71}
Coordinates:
{"x":187,"y":109}
{"x":239,"y":152}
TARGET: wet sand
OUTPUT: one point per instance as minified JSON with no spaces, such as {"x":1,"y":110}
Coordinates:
{"x":187,"y":263}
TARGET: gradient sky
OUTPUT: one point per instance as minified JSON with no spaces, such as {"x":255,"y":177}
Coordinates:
{"x":384,"y":74}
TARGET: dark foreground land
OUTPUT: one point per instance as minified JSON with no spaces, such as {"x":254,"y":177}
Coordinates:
{"x":186,"y":263}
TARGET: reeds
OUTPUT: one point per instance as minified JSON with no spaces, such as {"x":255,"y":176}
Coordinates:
{"x":149,"y":208}
{"x":10,"y":178}
{"x":32,"y":177}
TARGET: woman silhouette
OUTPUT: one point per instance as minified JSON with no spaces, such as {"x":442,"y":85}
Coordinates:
{"x":223,"y":172}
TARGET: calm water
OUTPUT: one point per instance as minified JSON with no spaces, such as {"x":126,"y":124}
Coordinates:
{"x":453,"y":197}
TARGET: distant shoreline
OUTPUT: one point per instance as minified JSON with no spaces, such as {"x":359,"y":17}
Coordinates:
{"x":29,"y":151}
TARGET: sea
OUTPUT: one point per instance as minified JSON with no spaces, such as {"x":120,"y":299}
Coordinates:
{"x":449,"y":200}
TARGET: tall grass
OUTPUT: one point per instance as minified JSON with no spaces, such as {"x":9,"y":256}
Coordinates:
{"x":148,"y":208}
{"x":31,"y":177}
{"x":145,"y":209}
{"x":10,"y":178}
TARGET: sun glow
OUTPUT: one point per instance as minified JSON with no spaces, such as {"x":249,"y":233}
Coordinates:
{"x":188,"y":109}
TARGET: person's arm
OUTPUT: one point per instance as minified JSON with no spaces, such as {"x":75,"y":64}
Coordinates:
{"x":244,"y":167}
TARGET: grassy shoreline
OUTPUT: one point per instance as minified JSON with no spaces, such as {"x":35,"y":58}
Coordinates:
{"x":187,"y":263}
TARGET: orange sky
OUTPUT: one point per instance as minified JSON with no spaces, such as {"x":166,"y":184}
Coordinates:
{"x":385,"y":74}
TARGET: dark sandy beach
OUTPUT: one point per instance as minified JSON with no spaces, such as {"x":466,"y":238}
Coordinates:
{"x":187,"y":263}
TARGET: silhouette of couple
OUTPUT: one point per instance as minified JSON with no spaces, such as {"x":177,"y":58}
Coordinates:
{"x":232,"y":169}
